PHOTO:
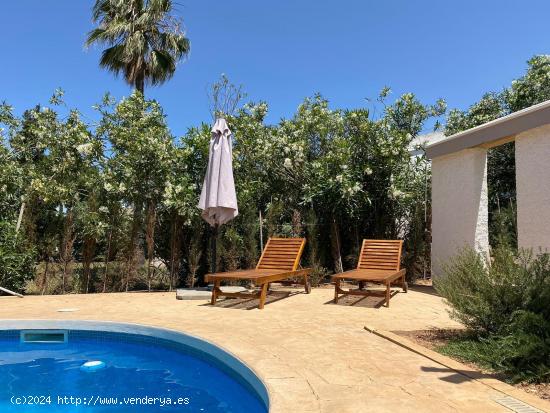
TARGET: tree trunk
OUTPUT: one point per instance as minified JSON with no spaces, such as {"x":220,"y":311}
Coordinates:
{"x":45,"y":277}
{"x":107,"y":256}
{"x":297,"y":228}
{"x":335,"y":246}
{"x":28,"y":221}
{"x":67,"y":247}
{"x":193,"y":260}
{"x":150,"y":239}
{"x":87,"y":256}
{"x":133,"y":244}
{"x":175,"y":247}
{"x":20,"y":217}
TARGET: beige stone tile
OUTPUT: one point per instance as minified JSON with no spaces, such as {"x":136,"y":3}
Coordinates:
{"x":314,"y":356}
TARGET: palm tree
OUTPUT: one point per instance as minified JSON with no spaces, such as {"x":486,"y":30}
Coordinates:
{"x":145,"y":40}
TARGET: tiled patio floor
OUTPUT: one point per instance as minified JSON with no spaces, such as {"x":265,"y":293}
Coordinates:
{"x":313,"y":355}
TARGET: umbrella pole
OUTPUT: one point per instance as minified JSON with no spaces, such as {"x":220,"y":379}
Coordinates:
{"x":214,"y":248}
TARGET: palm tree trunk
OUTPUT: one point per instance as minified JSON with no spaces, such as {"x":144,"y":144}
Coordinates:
{"x":140,"y":83}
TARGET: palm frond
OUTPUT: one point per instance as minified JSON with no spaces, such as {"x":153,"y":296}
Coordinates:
{"x":175,"y":43}
{"x":145,"y":40}
{"x":95,"y":35}
{"x":112,"y":58}
{"x":102,"y":8}
{"x":161,"y":67}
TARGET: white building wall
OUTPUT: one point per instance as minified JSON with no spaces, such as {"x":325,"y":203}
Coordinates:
{"x":459,"y":205}
{"x":533,"y":188}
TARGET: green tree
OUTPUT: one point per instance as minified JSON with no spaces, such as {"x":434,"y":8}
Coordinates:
{"x":16,"y":258}
{"x":137,"y":167}
{"x":180,"y":198}
{"x":145,"y":41}
{"x":530,"y":89}
{"x":11,"y":175}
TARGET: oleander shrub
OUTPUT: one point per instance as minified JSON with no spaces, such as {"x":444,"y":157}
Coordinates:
{"x":16,"y":258}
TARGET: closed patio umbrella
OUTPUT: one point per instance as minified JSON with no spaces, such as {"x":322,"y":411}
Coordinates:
{"x":218,"y":199}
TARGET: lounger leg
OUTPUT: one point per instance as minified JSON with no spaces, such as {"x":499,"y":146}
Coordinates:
{"x":388,"y":294}
{"x":215,"y":292}
{"x":336,"y":288}
{"x":263,"y":295}
{"x":405,"y":285}
{"x":361,"y":285}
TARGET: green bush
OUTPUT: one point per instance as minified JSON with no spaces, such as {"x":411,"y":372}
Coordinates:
{"x":522,"y":352}
{"x":16,"y":259}
{"x":484,"y":297}
{"x":318,"y":275}
{"x":506,"y":307}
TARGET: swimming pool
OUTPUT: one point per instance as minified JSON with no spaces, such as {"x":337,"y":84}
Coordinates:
{"x":140,"y":369}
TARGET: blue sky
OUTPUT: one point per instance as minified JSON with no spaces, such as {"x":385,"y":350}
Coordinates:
{"x":283,"y":51}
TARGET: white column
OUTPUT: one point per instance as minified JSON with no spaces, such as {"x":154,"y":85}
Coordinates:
{"x":533,"y":188}
{"x":459,"y":205}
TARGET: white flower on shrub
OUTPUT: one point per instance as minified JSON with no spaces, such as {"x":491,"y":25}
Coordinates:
{"x":85,"y":149}
{"x":397,"y":193}
{"x":287,"y":163}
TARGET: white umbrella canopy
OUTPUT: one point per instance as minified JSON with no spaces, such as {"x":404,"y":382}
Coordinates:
{"x":218,"y":199}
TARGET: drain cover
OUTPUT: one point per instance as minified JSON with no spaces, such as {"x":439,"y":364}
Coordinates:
{"x":517,"y":406}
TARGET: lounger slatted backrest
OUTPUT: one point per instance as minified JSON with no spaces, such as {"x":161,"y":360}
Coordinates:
{"x":380,"y":255}
{"x":282,"y":254}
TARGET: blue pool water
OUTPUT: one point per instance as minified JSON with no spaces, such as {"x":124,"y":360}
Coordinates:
{"x":137,"y":377}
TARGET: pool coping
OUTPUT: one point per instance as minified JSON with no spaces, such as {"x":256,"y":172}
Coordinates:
{"x":252,"y":378}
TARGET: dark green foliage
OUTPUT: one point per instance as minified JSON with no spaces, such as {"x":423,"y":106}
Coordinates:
{"x":503,"y":227}
{"x":530,"y":89}
{"x":522,"y":354}
{"x":506,"y":307}
{"x":501,"y":181}
{"x":482,"y":297}
{"x":16,"y":260}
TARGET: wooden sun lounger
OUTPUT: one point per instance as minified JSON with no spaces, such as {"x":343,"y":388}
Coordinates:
{"x":379,"y":262}
{"x":279,"y":261}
